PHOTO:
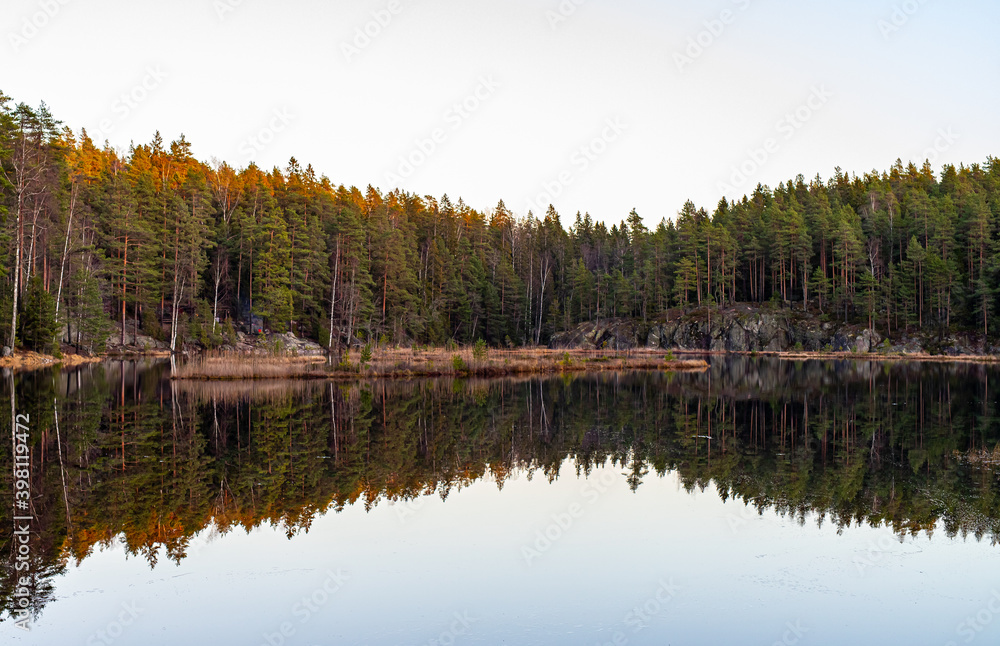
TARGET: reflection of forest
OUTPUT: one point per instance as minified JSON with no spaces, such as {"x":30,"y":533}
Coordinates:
{"x":137,"y":456}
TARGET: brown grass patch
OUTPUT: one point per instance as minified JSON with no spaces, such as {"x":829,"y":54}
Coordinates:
{"x":431,"y":362}
{"x":24,"y":361}
{"x":236,"y":366}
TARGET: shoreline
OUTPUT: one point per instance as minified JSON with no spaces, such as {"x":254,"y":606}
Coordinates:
{"x":805,"y":355}
{"x":25,"y":361}
{"x":438,"y":362}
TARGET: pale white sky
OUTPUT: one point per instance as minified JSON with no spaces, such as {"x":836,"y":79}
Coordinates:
{"x":593,"y":105}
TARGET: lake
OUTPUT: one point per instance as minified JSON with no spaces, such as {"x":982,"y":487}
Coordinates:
{"x":759,"y":502}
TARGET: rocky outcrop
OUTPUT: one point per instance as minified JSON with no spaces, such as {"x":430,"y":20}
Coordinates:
{"x":134,"y":344}
{"x":285,"y":344}
{"x":736,"y":329}
{"x":297,"y":346}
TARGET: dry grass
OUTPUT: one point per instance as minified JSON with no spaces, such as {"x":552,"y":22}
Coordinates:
{"x":804,"y":355}
{"x":431,"y":362}
{"x":23,"y":361}
{"x":237,"y":367}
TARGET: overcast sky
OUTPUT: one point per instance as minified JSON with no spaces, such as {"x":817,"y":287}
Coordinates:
{"x":592,"y":105}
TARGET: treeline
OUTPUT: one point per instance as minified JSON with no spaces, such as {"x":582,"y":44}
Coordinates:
{"x":186,"y":251}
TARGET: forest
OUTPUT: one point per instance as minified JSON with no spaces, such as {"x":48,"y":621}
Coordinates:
{"x":97,"y":241}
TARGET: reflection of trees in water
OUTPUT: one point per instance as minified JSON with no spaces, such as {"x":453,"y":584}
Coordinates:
{"x":154,"y":462}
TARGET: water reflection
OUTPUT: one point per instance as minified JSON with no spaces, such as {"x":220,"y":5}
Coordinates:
{"x":138,"y":458}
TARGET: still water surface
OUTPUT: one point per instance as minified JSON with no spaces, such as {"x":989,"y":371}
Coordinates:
{"x":760,"y":502}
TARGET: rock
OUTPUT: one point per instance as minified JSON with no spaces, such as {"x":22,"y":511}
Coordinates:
{"x":740,"y":328}
{"x":7,"y":352}
{"x":298,"y":347}
{"x":867,"y":341}
{"x":653,"y":338}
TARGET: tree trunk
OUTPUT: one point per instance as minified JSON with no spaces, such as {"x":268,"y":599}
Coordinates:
{"x":333,"y":292}
{"x":175,"y":307}
{"x":69,"y":230}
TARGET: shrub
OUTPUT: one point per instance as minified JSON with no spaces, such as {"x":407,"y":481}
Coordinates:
{"x":479,"y":350}
{"x":151,"y":324}
{"x":366,"y":354}
{"x":458,"y":363}
{"x":38,"y":319}
{"x":229,"y":332}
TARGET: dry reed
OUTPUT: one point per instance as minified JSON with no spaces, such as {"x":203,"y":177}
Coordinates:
{"x":429,"y":362}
